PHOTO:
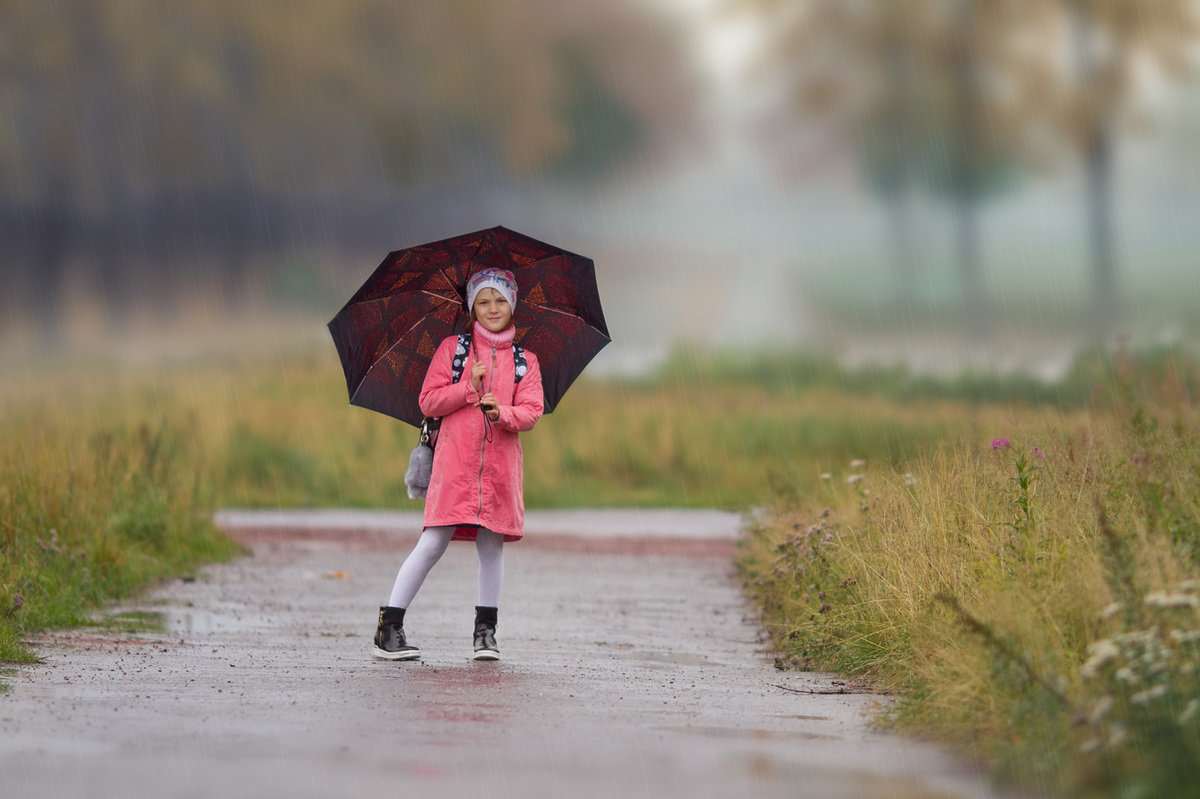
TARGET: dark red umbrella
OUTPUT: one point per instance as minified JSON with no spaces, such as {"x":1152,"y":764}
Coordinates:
{"x":388,"y":331}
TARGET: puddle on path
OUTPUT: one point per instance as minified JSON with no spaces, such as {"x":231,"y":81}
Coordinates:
{"x":209,"y":621}
{"x":673,"y":658}
{"x":133,"y":621}
{"x":751,"y":734}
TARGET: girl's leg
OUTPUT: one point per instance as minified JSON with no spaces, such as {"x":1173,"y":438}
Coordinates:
{"x":428,"y":550}
{"x":490,"y":548}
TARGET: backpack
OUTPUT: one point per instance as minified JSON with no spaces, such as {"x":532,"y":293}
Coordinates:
{"x":431,"y":424}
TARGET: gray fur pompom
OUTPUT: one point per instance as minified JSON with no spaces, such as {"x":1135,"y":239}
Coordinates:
{"x":420,"y":469}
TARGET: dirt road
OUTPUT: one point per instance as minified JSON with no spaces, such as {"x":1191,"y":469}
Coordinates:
{"x":631,"y":668}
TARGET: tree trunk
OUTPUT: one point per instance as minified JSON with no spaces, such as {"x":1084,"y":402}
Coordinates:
{"x":899,"y":199}
{"x":52,"y":247}
{"x":966,"y":182}
{"x":1100,"y":223}
{"x":1098,"y":169}
{"x":904,"y":259}
{"x":970,"y":266}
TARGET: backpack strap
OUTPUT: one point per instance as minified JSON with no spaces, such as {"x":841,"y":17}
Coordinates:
{"x":431,"y":424}
{"x":460,"y":357}
{"x":519,"y":365}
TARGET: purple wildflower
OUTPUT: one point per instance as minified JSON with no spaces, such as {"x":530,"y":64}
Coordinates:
{"x":1037,"y":453}
{"x":1000,"y":443}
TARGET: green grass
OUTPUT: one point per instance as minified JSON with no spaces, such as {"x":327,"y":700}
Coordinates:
{"x":279,"y":433}
{"x":1032,"y":600}
{"x":93,"y":508}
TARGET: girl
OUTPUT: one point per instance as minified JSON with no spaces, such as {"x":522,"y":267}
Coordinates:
{"x":475,"y":491}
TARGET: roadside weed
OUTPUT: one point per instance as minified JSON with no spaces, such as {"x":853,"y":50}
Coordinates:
{"x":1032,"y":595}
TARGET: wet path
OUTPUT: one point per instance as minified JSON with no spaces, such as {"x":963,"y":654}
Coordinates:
{"x":630,"y":675}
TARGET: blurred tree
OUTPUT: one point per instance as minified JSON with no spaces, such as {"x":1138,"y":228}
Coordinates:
{"x":1115,"y":44}
{"x":960,"y":93}
{"x":940,"y":93}
{"x":150,"y":139}
{"x":994,"y":82}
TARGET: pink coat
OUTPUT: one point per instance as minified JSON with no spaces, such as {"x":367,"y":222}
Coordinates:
{"x":478,"y":471}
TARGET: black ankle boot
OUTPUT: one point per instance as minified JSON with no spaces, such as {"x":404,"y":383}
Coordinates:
{"x":389,"y":636}
{"x":485,"y":634}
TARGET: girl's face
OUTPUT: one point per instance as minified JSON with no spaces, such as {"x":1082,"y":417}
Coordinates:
{"x":492,"y":310}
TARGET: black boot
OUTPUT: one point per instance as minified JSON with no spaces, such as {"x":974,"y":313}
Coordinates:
{"x":389,"y":636}
{"x":485,"y":634}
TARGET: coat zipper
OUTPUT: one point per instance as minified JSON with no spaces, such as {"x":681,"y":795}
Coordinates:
{"x":483,"y":445}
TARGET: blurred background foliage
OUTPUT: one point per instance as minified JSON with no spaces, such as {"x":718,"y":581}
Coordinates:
{"x":831,"y":173}
{"x":152,"y":149}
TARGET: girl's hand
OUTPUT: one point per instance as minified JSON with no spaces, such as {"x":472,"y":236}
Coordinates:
{"x":490,"y":405}
{"x":478,"y":372}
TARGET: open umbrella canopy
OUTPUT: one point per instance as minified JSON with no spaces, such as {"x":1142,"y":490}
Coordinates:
{"x":389,"y":330}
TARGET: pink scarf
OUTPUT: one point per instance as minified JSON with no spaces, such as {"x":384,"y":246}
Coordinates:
{"x":497,"y":340}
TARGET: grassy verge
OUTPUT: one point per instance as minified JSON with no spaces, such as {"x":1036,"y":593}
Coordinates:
{"x":94,"y":507}
{"x":281,"y":434}
{"x":1030,"y":590}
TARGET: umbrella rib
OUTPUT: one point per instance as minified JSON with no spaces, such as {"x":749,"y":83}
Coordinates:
{"x":548,"y":309}
{"x":427,"y":292}
{"x":471,"y":260}
{"x":560,"y":312}
{"x":396,"y":342}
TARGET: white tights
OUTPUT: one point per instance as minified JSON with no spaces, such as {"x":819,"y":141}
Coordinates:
{"x":428,"y":551}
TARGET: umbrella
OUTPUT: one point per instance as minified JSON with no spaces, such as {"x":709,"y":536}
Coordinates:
{"x":388,"y":331}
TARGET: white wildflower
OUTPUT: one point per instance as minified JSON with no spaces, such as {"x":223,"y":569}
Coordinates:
{"x":1117,"y":736}
{"x":1161,"y":599}
{"x":909,"y":480}
{"x":854,"y":478}
{"x":1185,"y":636}
{"x":826,"y":476}
{"x":1126,"y":675}
{"x":1111,"y":610}
{"x":858,"y":463}
{"x":1102,"y":652}
{"x":1089,"y":746}
{"x":1101,"y":710}
{"x":1149,"y":695}
{"x":1189,"y":712}
{"x":1143,"y":637}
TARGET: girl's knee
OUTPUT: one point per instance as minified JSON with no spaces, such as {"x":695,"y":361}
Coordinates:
{"x":486,"y":539}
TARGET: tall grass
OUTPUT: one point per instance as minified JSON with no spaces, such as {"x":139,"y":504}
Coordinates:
{"x":94,"y":504}
{"x":280,"y":433}
{"x":1029,"y":592}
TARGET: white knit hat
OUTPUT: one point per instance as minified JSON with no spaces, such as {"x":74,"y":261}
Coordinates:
{"x":499,"y":279}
